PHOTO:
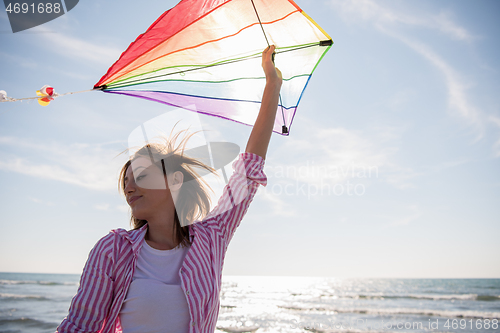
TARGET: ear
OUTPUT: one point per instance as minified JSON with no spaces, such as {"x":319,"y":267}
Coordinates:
{"x":175,"y":181}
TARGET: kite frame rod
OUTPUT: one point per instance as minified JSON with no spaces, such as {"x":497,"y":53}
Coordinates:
{"x":131,"y":93}
{"x":201,"y":81}
{"x":260,"y":22}
{"x":137,"y":81}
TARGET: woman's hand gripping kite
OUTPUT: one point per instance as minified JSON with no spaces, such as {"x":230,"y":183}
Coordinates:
{"x":263,"y":128}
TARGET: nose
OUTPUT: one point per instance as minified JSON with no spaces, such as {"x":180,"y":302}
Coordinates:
{"x":129,"y":186}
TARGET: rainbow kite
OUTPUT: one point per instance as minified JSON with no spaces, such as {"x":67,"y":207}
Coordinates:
{"x":205,"y":56}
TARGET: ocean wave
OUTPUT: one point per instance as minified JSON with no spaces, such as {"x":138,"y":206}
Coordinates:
{"x":317,"y":330}
{"x":43,"y":283}
{"x":249,"y":329}
{"x":401,"y":311}
{"x":434,"y":297}
{"x":27,"y":322}
{"x":4,"y":297}
{"x":488,"y":298}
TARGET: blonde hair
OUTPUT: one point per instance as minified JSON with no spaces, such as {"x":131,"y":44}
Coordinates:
{"x":193,"y":202}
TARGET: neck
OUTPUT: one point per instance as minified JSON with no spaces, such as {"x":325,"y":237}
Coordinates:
{"x":160,"y":234}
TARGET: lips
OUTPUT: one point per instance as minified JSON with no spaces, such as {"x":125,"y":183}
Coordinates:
{"x":133,"y":199}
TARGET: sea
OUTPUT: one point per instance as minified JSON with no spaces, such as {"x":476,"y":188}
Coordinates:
{"x":37,"y":303}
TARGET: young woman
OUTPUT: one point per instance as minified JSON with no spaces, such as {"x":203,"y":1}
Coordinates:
{"x":165,"y":274}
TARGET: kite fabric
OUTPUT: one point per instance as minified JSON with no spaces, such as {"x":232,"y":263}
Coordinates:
{"x":205,"y":56}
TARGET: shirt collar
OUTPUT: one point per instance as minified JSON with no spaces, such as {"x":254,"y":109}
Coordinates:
{"x":138,"y":237}
{"x":192,"y":231}
{"x":134,"y":237}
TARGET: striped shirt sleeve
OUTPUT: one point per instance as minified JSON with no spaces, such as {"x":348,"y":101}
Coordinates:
{"x":238,"y":194}
{"x":91,"y":303}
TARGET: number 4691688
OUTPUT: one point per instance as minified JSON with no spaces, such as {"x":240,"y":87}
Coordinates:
{"x":41,"y":8}
{"x":477,"y":324}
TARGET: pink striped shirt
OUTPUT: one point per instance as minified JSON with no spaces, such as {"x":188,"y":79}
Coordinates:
{"x":110,"y":267}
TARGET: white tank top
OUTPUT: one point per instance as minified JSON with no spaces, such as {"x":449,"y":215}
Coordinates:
{"x":155,"y":301}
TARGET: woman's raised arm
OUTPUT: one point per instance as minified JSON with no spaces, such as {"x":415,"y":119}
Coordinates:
{"x":263,"y":128}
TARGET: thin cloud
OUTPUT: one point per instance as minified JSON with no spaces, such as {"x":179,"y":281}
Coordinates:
{"x":445,"y":24}
{"x":123,"y":208}
{"x":92,"y":166}
{"x":457,"y":90}
{"x":401,"y":177}
{"x":369,"y":10}
{"x":72,"y":47}
{"x":445,"y":166}
{"x":103,"y":207}
{"x":21,"y":61}
{"x":40,"y":201}
{"x":496,"y":146}
{"x":413,"y":214}
{"x":337,"y":155}
{"x":385,"y":18}
{"x":279,"y":206}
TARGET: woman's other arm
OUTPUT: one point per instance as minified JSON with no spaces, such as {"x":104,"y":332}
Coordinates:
{"x":263,"y":128}
{"x":90,"y":306}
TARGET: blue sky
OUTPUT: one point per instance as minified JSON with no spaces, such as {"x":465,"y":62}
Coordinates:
{"x":392,"y":168}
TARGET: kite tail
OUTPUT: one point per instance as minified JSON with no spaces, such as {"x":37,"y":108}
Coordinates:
{"x":44,"y":96}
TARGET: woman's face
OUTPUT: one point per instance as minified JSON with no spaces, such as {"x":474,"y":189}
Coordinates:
{"x":146,"y":189}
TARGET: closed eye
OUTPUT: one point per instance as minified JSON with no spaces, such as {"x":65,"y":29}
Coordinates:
{"x":141,"y":176}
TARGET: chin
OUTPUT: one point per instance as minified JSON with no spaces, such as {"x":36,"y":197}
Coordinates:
{"x":139,"y":215}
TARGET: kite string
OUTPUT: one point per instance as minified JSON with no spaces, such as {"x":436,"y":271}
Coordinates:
{"x":77,"y":92}
{"x":284,"y":128}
